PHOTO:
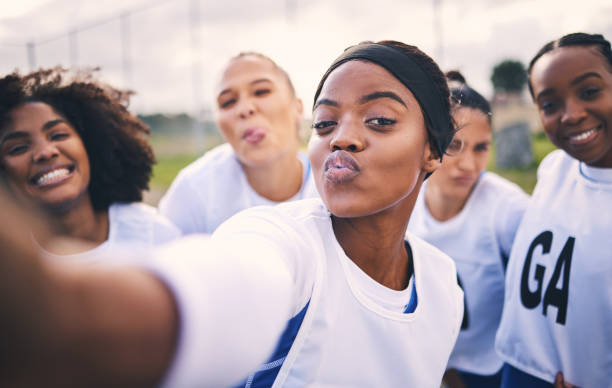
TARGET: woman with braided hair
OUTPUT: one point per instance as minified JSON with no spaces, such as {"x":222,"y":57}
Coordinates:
{"x":558,"y":302}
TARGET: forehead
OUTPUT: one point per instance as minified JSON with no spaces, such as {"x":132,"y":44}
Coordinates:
{"x":30,"y":114}
{"x":473,"y":124}
{"x":246,"y":69}
{"x":563,"y":64}
{"x":355,"y":78}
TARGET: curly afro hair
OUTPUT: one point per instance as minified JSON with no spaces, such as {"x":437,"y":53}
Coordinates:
{"x":116,"y":141}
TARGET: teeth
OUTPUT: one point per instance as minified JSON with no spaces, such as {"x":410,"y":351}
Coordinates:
{"x":582,"y":135}
{"x":50,"y":176}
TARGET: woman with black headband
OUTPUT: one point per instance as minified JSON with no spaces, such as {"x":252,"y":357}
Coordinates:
{"x":330,"y":291}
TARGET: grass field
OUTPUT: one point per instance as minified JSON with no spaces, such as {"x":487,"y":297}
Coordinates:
{"x":170,"y":161}
{"x":526,"y":177}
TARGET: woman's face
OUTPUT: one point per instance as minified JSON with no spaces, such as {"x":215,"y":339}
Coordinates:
{"x":258,"y":113}
{"x":572,"y":87}
{"x":42,"y":156}
{"x":458,"y":173}
{"x":369,"y":148}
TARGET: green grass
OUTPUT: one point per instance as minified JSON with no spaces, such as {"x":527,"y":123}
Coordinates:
{"x":167,"y":167}
{"x":173,"y":152}
{"x":525,"y":177}
{"x":170,"y":163}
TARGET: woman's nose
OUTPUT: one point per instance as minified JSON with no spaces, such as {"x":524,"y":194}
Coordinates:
{"x":347,"y":137}
{"x":573,"y":112}
{"x":246,"y":108}
{"x":44,"y":151}
{"x":467,"y":160}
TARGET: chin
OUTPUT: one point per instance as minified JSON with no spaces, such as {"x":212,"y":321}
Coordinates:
{"x":355,"y":208}
{"x":461,"y":192}
{"x":58,"y":204}
{"x":261,"y":157}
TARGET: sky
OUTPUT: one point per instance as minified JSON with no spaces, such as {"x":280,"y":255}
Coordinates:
{"x":172,"y":52}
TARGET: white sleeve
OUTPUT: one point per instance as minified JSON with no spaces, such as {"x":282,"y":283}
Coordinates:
{"x":164,"y":231}
{"x":235,"y":293}
{"x":183,"y":206}
{"x":510,"y":212}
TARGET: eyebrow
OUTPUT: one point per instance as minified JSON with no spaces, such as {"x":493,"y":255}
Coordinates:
{"x":21,"y":134}
{"x":365,"y":99}
{"x":575,"y":81}
{"x":581,"y":78}
{"x":376,"y":95}
{"x":326,"y":101}
{"x":52,"y":123}
{"x":259,"y":80}
{"x":254,"y":82}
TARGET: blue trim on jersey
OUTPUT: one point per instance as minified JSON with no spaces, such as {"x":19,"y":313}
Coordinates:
{"x":504,"y":260}
{"x":472,"y":380}
{"x":513,"y":377}
{"x":265,"y":375}
{"x":414,"y":300}
{"x":308,"y":169}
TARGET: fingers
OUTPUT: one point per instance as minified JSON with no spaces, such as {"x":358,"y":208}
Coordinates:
{"x":561,"y":383}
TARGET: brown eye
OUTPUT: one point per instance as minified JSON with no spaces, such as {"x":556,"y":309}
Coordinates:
{"x":227,"y":103}
{"x":58,"y":136}
{"x":548,"y":107}
{"x":262,"y":92}
{"x":380,"y":121}
{"x":323,"y":127}
{"x":17,"y":149}
{"x":589,"y":93}
{"x":455,"y":147}
{"x":481,"y":147}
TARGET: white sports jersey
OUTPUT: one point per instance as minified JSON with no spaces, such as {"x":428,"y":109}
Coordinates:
{"x":478,"y":239}
{"x":238,"y":290}
{"x":558,"y":307}
{"x":135,"y":225}
{"x":214,"y":188}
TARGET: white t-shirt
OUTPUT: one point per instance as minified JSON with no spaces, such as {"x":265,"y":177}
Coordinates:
{"x":214,"y":188}
{"x":558,"y":305}
{"x":479,"y":240}
{"x":237,"y":290}
{"x":134,"y":225}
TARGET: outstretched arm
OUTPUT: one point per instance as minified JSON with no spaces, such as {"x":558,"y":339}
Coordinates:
{"x":195,"y":313}
{"x":75,"y":326}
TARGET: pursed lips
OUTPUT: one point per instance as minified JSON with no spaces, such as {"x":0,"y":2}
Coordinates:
{"x":340,"y":167}
{"x":463,"y":179}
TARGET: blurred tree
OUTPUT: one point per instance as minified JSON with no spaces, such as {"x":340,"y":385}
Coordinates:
{"x":512,"y":129}
{"x":509,"y":76}
{"x":168,"y":123}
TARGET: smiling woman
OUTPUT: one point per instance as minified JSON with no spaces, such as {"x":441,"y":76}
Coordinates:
{"x":71,"y":148}
{"x":558,"y":305}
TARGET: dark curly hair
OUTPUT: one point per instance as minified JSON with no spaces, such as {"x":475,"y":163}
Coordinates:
{"x":116,"y":141}
{"x":573,"y":39}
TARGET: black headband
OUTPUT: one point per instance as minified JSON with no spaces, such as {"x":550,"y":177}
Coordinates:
{"x":408,"y":72}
